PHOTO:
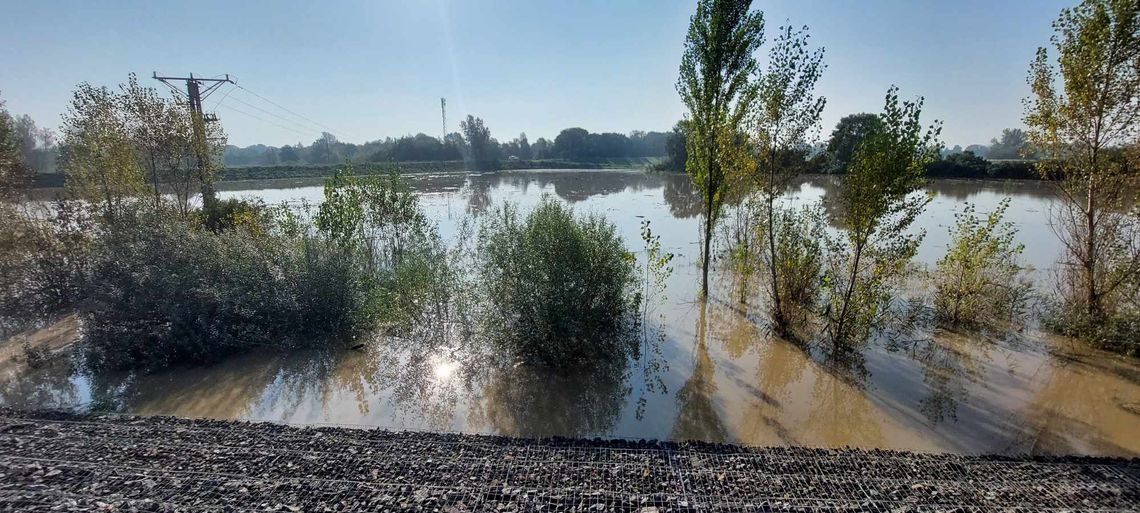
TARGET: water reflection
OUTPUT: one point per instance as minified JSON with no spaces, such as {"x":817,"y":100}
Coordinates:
{"x":526,"y":401}
{"x":683,"y":199}
{"x":951,"y":367}
{"x":697,"y":417}
{"x":726,"y":380}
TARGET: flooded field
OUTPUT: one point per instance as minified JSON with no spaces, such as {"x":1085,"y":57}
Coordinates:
{"x":725,"y":379}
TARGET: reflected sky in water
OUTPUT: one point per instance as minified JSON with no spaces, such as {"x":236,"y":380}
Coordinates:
{"x":725,"y":379}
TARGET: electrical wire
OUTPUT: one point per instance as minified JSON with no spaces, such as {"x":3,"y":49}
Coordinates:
{"x":286,"y":109}
{"x":287,"y":120}
{"x":263,"y":120}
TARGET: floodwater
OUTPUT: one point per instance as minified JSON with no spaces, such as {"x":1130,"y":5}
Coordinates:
{"x":725,"y":379}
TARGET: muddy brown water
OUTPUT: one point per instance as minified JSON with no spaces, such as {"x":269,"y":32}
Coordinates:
{"x":1026,"y":393}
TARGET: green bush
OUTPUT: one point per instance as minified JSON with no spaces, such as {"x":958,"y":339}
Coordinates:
{"x":799,"y":266}
{"x":1119,"y":333}
{"x":162,"y":291}
{"x":167,"y":290}
{"x":979,"y":282}
{"x":560,"y":290}
{"x":226,"y":214}
{"x":44,"y":258}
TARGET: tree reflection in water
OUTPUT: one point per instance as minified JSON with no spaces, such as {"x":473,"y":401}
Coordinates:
{"x":684,"y":201}
{"x":524,"y":400}
{"x":697,"y":417}
{"x":952,"y":365}
{"x":51,"y":386}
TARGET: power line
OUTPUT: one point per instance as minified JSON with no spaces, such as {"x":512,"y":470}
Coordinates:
{"x":223,"y":98}
{"x":287,"y":120}
{"x":286,"y":109}
{"x":263,"y":120}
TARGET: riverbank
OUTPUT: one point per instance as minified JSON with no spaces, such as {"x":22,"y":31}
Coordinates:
{"x":69,"y":462}
{"x":289,"y":171}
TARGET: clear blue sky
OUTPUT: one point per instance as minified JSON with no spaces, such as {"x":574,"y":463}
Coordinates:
{"x":370,"y":69}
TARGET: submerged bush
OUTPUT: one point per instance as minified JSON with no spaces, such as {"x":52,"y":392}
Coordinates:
{"x":979,"y":282}
{"x":168,"y":290}
{"x":163,"y":291}
{"x":44,"y":256}
{"x":1119,"y":333}
{"x":560,"y":290}
{"x":230,"y":213}
{"x":378,"y":217}
{"x":798,"y":266}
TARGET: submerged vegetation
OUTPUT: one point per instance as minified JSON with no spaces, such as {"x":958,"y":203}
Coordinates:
{"x":1086,"y":130}
{"x":980,"y":281}
{"x":550,"y":296}
{"x":843,"y":288}
{"x":561,"y":289}
{"x":880,"y":199}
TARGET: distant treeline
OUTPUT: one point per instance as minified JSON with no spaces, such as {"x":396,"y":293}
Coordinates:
{"x":1006,"y":159}
{"x":473,"y":144}
{"x":306,"y":171}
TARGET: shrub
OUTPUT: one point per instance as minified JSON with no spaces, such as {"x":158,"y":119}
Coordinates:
{"x":44,"y":256}
{"x":560,"y":290}
{"x":165,"y":290}
{"x":1119,"y":332}
{"x":379,"y":218}
{"x":979,"y":282}
{"x":226,"y":214}
{"x":798,"y":265}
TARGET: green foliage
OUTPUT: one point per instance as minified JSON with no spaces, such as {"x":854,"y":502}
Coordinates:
{"x":482,"y":151}
{"x":44,"y":259}
{"x":99,"y":158}
{"x":560,"y":290}
{"x":742,"y":232}
{"x":848,"y":135}
{"x":423,"y":148}
{"x":379,"y":218}
{"x":676,"y":152}
{"x":959,"y":165}
{"x":797,"y":263}
{"x":163,"y":289}
{"x":1012,"y":145}
{"x":14,"y":171}
{"x":787,"y":112}
{"x":879,"y":201}
{"x":657,"y":271}
{"x":115,"y":143}
{"x":162,"y":136}
{"x":715,"y":86}
{"x":979,"y":281}
{"x":221,"y":215}
{"x":1078,"y":129}
{"x":1119,"y":333}
{"x":376,"y":213}
{"x":164,"y":292}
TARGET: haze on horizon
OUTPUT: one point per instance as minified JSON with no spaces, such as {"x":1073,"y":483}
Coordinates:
{"x":369,"y":70}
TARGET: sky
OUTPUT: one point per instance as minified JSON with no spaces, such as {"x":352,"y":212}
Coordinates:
{"x":366,"y":70}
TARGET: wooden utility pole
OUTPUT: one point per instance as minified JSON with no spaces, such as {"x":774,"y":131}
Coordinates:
{"x":443,"y":112}
{"x":195,"y":93}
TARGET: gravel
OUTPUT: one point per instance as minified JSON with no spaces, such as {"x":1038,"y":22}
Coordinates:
{"x":55,"y":461}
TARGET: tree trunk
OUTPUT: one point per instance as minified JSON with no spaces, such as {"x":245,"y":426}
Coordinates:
{"x":1092,"y":299}
{"x":841,"y":329}
{"x":778,"y":318}
{"x":705,"y":257}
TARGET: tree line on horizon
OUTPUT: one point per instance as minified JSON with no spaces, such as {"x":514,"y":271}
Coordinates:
{"x":1006,"y":157}
{"x":472,"y":143}
{"x":40,"y":149}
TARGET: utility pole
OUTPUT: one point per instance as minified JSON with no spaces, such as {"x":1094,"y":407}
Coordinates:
{"x":443,"y":111}
{"x":195,"y":93}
